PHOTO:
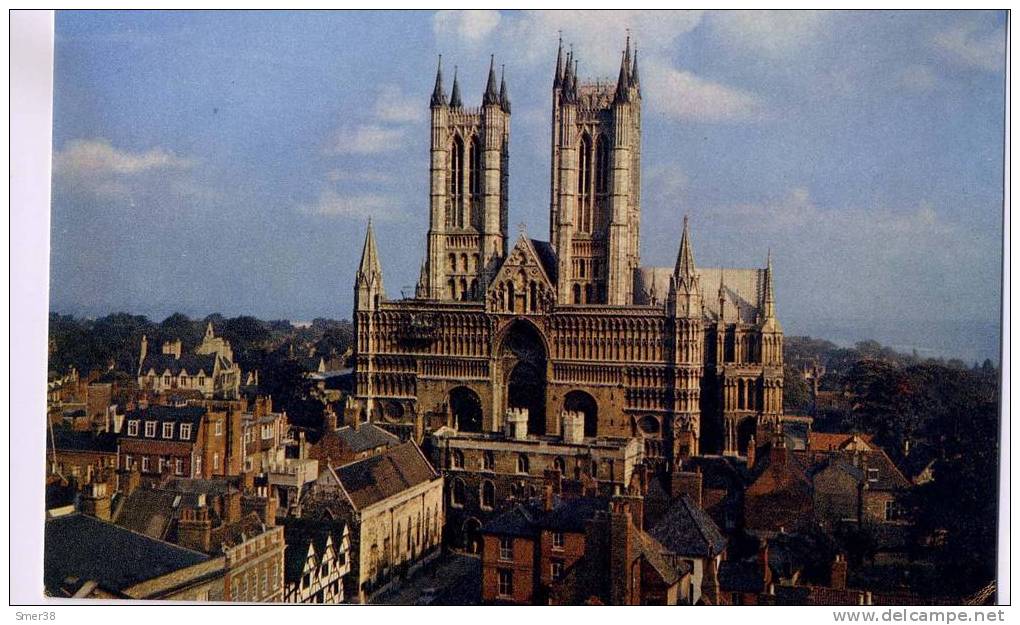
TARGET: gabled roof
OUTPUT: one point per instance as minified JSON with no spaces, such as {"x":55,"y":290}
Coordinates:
{"x":83,"y":547}
{"x":526,"y":252}
{"x":687,"y":530}
{"x":380,"y":477}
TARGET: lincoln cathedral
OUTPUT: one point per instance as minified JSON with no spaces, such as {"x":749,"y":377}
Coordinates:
{"x":523,"y":335}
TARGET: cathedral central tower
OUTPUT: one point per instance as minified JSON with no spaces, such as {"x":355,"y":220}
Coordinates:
{"x":595,"y":204}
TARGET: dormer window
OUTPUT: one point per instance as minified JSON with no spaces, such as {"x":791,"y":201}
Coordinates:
{"x":132,"y":428}
{"x":201,"y":380}
{"x":150,"y":429}
{"x":872,"y":475}
{"x":166,"y":379}
{"x":185,"y":431}
{"x":168,"y":430}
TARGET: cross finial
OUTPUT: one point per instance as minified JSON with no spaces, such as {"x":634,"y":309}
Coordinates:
{"x":522,"y":228}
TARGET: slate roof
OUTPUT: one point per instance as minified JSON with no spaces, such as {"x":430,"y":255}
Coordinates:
{"x":149,"y":512}
{"x":546,"y":256}
{"x":189,"y":363}
{"x":176,"y":414}
{"x":520,"y":520}
{"x":74,"y":440}
{"x":367,"y":436}
{"x":687,"y":530}
{"x":374,"y":479}
{"x":83,"y":547}
{"x":656,"y":555}
{"x":570,"y":515}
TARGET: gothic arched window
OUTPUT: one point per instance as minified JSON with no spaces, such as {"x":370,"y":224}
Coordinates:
{"x":457,"y":183}
{"x":584,"y":185}
{"x":475,"y":179}
{"x":601,"y":180}
{"x":577,"y":293}
{"x":488,"y":494}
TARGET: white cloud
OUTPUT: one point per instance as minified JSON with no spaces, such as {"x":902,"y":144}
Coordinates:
{"x":332,"y":204}
{"x":99,"y":157}
{"x":970,"y":45}
{"x":367,"y":139}
{"x":94,"y":166}
{"x":774,"y":34}
{"x":395,"y":106}
{"x":470,"y":25}
{"x":684,"y":96}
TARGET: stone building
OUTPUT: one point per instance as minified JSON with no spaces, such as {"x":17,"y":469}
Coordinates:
{"x":489,"y":472}
{"x":392,"y":504}
{"x":210,"y":371}
{"x":687,"y":358}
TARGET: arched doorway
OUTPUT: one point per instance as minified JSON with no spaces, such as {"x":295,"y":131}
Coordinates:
{"x":579,"y":401}
{"x":466,"y":409}
{"x":524,"y":352}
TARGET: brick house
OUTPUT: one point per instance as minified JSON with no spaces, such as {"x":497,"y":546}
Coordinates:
{"x":180,"y":441}
{"x":688,"y":533}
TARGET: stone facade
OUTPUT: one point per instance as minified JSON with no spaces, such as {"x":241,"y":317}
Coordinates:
{"x":687,"y":358}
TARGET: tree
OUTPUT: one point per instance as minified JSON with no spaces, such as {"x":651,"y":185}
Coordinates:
{"x":796,"y":392}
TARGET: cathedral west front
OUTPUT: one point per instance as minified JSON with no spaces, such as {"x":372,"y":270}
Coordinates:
{"x":512,"y":332}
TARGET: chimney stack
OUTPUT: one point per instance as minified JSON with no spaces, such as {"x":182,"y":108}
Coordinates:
{"x":837,"y":579}
{"x":96,"y":502}
{"x":194,"y":529}
{"x":751,"y":452}
{"x":687,"y":483}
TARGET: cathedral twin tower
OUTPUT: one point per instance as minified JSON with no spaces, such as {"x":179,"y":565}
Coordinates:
{"x":595,"y":187}
{"x":574,"y":324}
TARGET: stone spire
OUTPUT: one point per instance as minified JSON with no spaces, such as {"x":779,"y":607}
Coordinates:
{"x":491,"y":95}
{"x":722,"y":294}
{"x":685,"y":269}
{"x":635,"y":80}
{"x":504,"y":95}
{"x":438,"y":96}
{"x":370,"y":270}
{"x":568,"y":79}
{"x":623,"y":82}
{"x":455,"y":101}
{"x":685,"y":287}
{"x":769,"y":297}
{"x":558,"y":77}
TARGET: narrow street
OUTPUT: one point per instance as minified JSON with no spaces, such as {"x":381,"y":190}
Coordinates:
{"x":455,"y":576}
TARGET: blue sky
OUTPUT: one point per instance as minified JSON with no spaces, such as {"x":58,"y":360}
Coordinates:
{"x":227,"y":162}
